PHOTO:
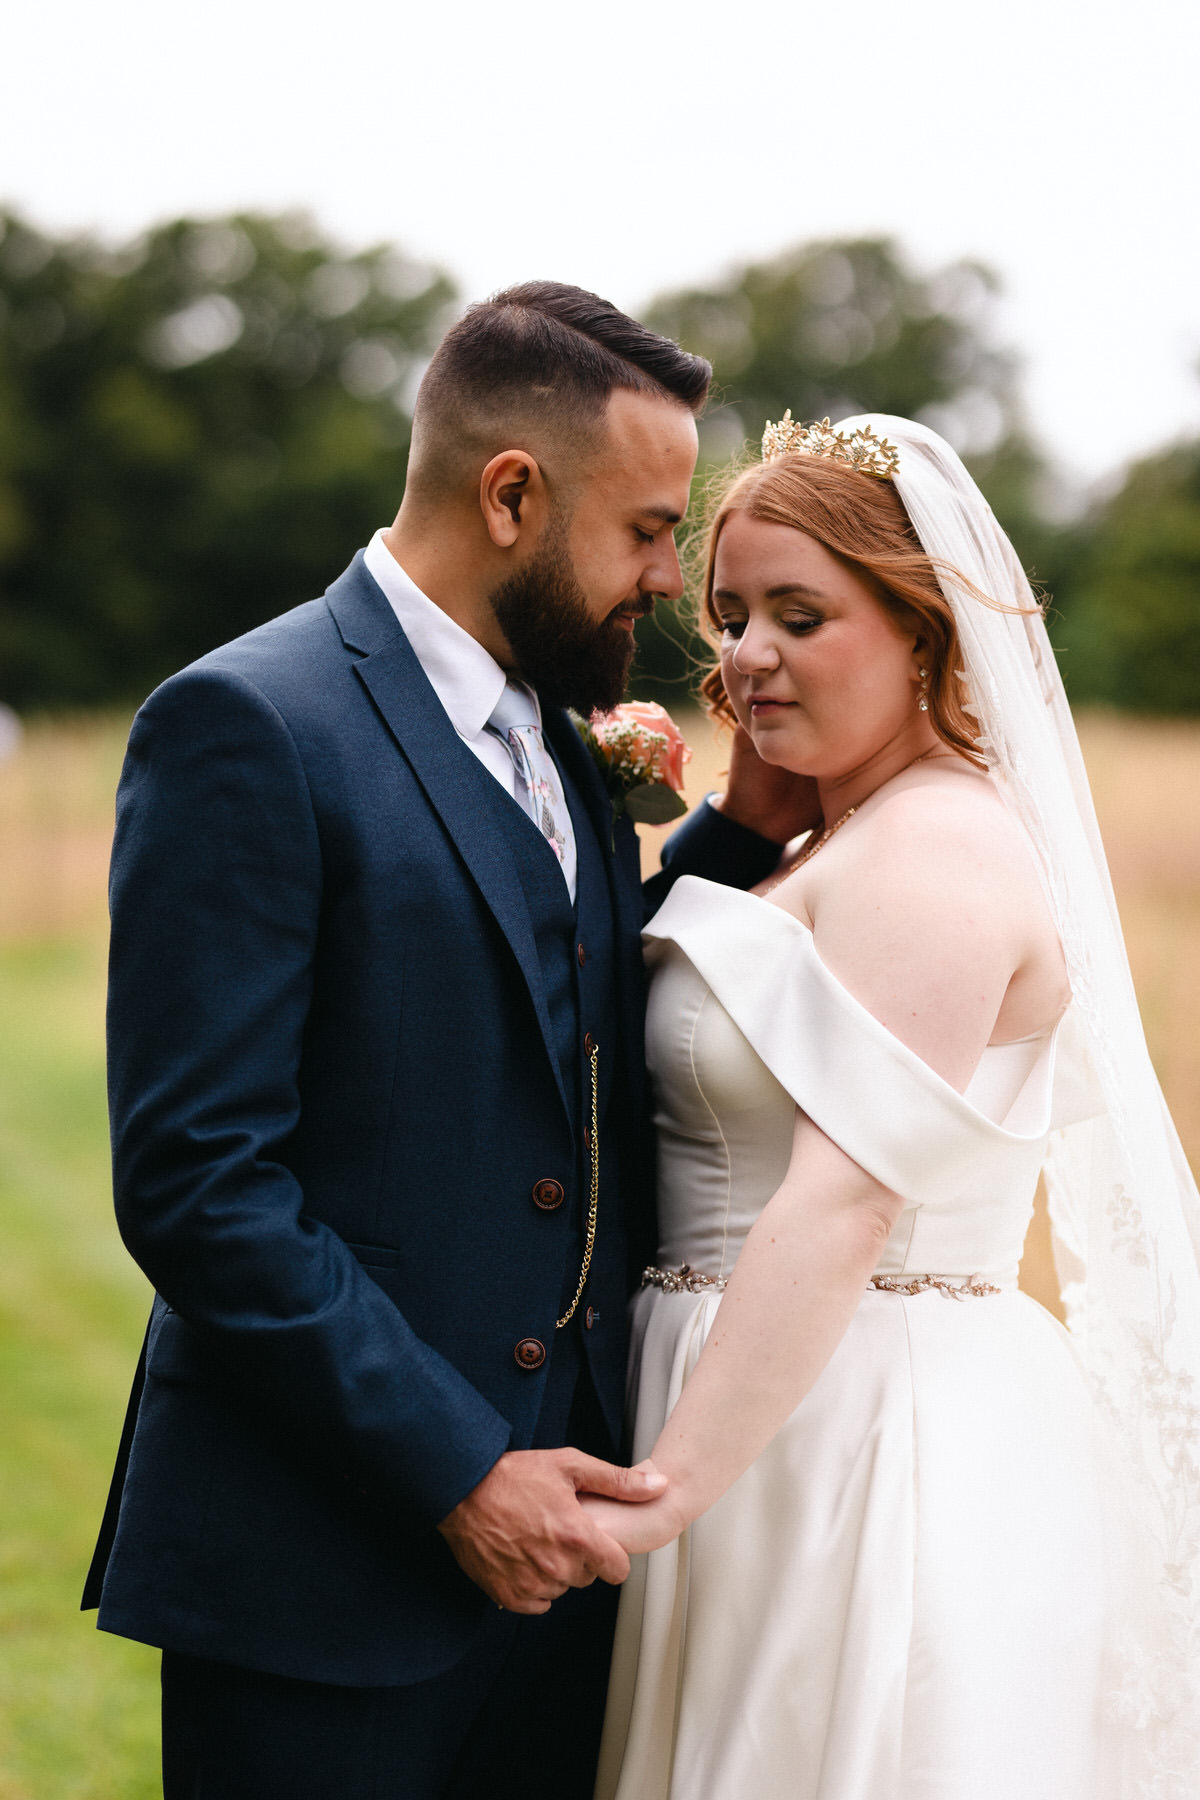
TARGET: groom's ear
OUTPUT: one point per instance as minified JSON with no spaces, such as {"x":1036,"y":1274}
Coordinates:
{"x":512,"y":497}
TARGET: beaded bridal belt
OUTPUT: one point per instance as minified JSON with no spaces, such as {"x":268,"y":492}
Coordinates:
{"x":686,"y":1280}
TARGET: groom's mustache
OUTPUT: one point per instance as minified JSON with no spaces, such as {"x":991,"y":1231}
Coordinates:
{"x":639,"y":608}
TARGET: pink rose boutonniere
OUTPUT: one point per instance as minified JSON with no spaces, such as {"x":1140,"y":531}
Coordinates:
{"x":641,"y":754}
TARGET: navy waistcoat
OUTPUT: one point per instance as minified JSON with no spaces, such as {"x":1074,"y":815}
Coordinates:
{"x":575,"y":950}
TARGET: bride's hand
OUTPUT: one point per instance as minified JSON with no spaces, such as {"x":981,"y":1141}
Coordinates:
{"x":775,"y":802}
{"x":641,"y":1528}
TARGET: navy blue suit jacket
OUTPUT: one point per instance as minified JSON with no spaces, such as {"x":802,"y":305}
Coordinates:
{"x":332,"y":1093}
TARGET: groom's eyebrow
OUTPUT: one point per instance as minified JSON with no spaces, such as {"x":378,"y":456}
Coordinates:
{"x":664,"y":513}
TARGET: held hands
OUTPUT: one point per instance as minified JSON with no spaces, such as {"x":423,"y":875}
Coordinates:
{"x":524,"y":1536}
{"x":639,"y":1529}
{"x":775,"y":802}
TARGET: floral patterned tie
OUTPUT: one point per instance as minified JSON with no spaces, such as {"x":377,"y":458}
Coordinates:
{"x":514,"y":720}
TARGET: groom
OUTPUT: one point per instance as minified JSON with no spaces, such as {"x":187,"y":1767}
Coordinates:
{"x":378,"y":1104}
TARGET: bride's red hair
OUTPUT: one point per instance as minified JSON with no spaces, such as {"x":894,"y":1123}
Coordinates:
{"x":861,"y":520}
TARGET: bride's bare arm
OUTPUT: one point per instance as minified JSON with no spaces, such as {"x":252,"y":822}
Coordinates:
{"x":790,"y":1299}
{"x":932,"y":952}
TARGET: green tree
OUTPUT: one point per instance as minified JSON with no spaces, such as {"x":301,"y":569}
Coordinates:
{"x":1129,"y":629}
{"x":840,"y":327}
{"x":194,"y":429}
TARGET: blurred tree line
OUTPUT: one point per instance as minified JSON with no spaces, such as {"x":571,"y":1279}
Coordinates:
{"x":199,"y":427}
{"x":196,"y":431}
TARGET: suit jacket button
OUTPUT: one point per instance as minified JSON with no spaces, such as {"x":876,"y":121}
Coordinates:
{"x":530,"y":1354}
{"x":548,"y":1194}
{"x":582,"y":955}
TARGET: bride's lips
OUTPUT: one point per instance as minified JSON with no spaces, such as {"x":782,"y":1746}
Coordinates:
{"x":762,"y":705}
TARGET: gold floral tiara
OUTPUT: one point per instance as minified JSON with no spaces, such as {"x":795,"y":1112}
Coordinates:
{"x":859,"y":449}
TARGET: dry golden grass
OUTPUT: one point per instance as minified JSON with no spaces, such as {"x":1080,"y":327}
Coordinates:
{"x":1146,"y":779}
{"x":56,"y":824}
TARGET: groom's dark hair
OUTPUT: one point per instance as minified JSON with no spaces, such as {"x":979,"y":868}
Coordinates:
{"x":540,"y":360}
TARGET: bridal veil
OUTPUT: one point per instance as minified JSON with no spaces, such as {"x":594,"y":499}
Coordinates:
{"x":1124,"y":1209}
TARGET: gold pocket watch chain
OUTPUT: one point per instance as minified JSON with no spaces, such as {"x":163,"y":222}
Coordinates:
{"x":594,"y":1200}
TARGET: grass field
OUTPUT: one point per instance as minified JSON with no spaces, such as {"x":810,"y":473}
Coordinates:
{"x":78,"y":1712}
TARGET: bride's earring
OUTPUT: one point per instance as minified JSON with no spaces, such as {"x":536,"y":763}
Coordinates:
{"x":923,"y":702}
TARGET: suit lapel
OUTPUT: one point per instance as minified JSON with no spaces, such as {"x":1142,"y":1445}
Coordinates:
{"x":414,"y":715}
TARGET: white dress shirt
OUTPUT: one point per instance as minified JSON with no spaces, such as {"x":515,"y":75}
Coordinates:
{"x":466,"y":678}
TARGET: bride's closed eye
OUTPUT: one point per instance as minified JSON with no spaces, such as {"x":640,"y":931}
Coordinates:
{"x":799,"y":626}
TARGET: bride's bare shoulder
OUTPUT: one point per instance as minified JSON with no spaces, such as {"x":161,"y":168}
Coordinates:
{"x":946,"y":810}
{"x":928,"y":909}
{"x":925,"y":855}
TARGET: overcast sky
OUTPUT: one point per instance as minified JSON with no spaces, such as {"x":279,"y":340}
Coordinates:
{"x":632,"y":145}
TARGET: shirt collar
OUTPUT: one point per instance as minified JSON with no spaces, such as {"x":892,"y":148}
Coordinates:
{"x":466,"y":678}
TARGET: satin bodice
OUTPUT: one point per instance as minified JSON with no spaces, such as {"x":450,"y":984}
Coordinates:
{"x":745,"y":1024}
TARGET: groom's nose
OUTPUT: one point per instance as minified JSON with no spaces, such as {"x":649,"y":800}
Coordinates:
{"x":662,"y":577}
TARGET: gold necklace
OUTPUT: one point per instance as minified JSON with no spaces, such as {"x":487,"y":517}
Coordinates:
{"x":810,"y":850}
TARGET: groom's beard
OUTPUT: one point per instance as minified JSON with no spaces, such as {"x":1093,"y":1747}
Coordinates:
{"x":559,"y":647}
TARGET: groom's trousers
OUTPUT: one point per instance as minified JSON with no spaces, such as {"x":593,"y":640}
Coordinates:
{"x":518,"y":1719}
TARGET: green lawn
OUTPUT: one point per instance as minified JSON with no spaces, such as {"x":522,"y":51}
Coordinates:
{"x":78,"y":1710}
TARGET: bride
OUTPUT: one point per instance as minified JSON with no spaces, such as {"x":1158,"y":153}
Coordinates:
{"x":919,"y":1542}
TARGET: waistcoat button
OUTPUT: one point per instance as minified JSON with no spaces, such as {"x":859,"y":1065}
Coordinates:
{"x":592,"y":1317}
{"x":548,"y":1194}
{"x":530,"y":1354}
{"x":582,"y":955}
{"x":589,"y":1043}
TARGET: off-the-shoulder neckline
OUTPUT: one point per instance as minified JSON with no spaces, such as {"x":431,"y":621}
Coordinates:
{"x":1047,"y":1031}
{"x":949,"y":1092}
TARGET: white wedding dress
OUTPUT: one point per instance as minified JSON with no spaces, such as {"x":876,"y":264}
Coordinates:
{"x":912,"y":1593}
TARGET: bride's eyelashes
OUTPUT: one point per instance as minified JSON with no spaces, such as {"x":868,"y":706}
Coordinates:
{"x":799,"y":626}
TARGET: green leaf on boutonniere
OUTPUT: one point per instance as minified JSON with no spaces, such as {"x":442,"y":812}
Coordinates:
{"x":654,"y":803}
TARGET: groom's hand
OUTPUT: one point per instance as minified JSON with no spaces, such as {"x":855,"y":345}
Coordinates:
{"x":775,"y":802}
{"x":522,"y":1535}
